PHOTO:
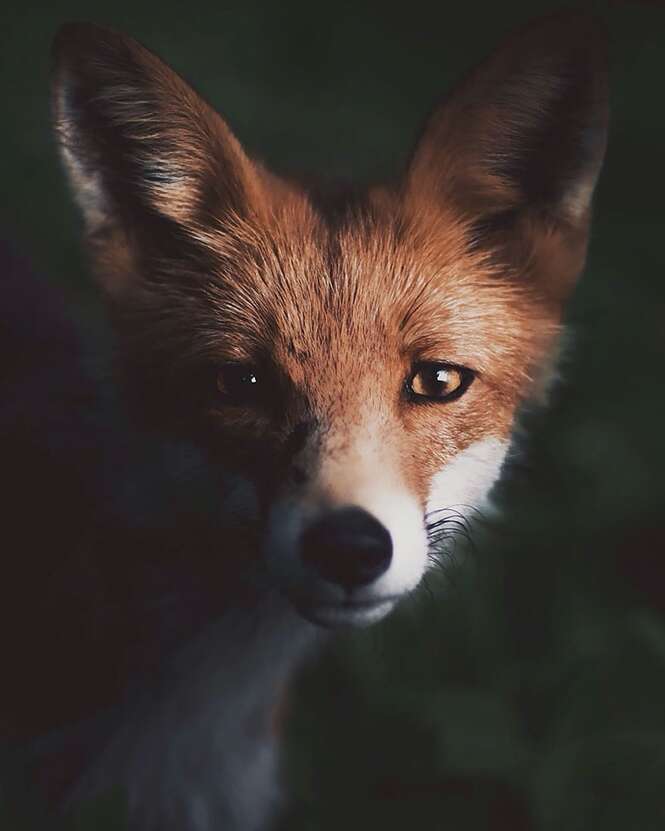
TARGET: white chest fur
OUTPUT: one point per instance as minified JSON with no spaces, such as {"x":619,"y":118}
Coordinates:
{"x":195,"y":752}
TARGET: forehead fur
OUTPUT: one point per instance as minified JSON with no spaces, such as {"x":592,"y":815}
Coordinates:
{"x":382,"y":279}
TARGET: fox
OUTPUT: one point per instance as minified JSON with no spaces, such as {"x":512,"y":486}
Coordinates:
{"x":346,"y":368}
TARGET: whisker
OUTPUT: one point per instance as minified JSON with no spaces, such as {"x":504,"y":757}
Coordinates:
{"x":446,"y":528}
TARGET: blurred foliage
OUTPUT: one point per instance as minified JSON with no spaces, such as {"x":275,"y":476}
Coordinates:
{"x":525,"y":687}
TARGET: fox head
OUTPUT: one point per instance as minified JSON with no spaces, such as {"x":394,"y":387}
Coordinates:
{"x":358,"y":361}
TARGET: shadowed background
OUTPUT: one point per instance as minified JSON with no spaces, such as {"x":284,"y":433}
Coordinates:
{"x":524,"y":687}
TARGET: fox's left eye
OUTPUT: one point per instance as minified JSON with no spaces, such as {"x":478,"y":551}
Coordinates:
{"x":434,"y":381}
{"x":239,"y":383}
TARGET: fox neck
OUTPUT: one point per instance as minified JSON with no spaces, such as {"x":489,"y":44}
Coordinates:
{"x":210,"y":718}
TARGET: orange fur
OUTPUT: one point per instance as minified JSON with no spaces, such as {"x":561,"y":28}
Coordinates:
{"x":207,"y":258}
{"x":208,"y":261}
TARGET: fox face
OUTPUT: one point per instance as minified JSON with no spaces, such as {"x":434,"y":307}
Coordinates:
{"x":356,"y":360}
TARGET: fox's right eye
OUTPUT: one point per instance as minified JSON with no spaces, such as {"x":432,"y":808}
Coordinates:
{"x":239,"y":384}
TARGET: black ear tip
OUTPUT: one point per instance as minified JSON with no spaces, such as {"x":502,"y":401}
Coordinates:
{"x":573,"y":44}
{"x":67,"y":49}
{"x":74,"y":42}
{"x":570,"y":28}
{"x":73,"y":34}
{"x":575,"y":21}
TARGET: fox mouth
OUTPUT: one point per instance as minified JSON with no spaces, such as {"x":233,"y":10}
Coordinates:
{"x":347,"y":614}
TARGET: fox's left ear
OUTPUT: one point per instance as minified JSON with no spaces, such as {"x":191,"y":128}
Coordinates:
{"x":521,"y":140}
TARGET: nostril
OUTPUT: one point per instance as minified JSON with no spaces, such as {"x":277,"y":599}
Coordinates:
{"x":348,"y":547}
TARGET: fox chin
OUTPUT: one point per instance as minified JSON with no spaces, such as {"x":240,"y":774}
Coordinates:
{"x":357,"y":363}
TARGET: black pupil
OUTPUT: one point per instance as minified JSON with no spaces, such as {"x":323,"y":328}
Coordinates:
{"x":240,"y":381}
{"x":439,"y":380}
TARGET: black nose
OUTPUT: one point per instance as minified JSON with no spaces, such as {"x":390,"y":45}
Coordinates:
{"x":348,"y":546}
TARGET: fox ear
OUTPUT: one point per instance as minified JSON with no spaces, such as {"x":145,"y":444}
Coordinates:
{"x":526,"y":130}
{"x":136,"y":139}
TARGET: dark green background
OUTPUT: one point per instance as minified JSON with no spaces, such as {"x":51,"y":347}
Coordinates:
{"x":526,"y":689}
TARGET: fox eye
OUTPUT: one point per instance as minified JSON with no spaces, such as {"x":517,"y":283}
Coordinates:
{"x":435,"y":381}
{"x":239,"y":383}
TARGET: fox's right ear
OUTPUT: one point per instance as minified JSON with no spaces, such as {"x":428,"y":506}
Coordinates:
{"x":137,"y":140}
